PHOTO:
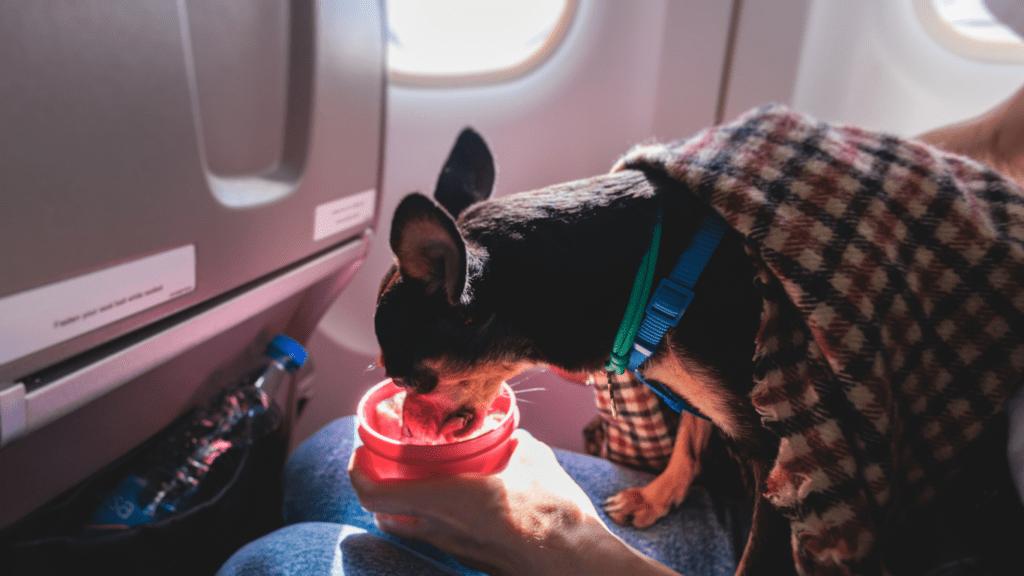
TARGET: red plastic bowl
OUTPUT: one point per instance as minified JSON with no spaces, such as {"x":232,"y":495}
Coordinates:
{"x":384,"y":458}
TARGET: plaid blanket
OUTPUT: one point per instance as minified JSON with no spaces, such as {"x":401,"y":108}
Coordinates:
{"x":633,"y":427}
{"x":892,"y":330}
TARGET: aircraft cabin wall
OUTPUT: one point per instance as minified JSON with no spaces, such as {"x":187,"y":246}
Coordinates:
{"x":893,"y":66}
{"x":629,"y":72}
{"x":181,"y":181}
{"x":623,"y":73}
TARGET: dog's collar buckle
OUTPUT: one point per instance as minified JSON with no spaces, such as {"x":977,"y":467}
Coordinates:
{"x":667,"y":307}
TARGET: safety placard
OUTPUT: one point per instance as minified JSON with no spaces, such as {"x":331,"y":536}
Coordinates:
{"x":341,"y":214}
{"x":41,"y":317}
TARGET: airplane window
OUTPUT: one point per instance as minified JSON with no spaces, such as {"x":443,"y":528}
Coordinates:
{"x":968,"y":28}
{"x":446,"y":42}
{"x":974,"y":20}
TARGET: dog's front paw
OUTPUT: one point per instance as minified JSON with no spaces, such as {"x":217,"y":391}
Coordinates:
{"x":637,"y":507}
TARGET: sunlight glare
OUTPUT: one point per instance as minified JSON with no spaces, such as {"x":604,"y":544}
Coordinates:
{"x":972,"y":19}
{"x":467,"y":37}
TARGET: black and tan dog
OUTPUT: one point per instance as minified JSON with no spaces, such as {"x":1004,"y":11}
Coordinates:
{"x":484,"y":289}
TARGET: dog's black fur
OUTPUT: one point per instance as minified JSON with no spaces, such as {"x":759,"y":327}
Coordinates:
{"x":544,"y":277}
{"x":548,"y":275}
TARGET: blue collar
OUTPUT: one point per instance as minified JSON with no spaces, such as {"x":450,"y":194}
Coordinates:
{"x":666,"y":307}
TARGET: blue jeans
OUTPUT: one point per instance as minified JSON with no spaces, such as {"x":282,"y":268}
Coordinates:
{"x":329,"y":533}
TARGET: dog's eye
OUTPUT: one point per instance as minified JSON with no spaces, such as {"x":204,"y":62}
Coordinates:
{"x":399,"y":382}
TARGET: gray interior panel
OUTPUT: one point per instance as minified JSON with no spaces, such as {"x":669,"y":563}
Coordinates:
{"x":135,"y":128}
{"x":245,"y":134}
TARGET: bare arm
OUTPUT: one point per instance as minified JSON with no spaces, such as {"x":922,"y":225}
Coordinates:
{"x":996,"y":138}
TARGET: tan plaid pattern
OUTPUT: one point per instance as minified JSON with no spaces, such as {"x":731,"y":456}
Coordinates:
{"x":639,"y":431}
{"x":892,"y":330}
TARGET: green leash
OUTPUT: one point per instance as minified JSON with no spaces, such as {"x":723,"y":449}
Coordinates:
{"x":645,"y":324}
{"x":637,"y":304}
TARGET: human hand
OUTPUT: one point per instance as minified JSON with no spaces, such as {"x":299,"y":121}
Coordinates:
{"x":531,"y":518}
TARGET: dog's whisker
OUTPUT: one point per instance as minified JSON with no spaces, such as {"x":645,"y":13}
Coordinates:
{"x":523,"y":400}
{"x":521,"y":380}
{"x":538,"y":389}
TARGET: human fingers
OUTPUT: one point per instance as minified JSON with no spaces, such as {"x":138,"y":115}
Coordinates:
{"x":531,"y":518}
{"x":446,"y":497}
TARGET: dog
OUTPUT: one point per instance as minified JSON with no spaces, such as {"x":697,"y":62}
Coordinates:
{"x":483,"y":289}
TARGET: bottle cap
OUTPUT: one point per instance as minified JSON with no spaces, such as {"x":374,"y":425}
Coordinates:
{"x":288,"y":351}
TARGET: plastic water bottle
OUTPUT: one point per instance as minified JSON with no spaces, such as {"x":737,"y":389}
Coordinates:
{"x":235,"y":418}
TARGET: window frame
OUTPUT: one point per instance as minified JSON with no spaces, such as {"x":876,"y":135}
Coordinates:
{"x":547,"y":48}
{"x":947,"y":36}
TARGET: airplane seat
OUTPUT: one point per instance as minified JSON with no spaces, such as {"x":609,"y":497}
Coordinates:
{"x":182,"y":181}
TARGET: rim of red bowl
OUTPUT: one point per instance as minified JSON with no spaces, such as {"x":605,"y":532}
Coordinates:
{"x":396,"y":450}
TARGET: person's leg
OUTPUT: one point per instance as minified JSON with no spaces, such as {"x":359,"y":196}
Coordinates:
{"x":316,"y":484}
{"x":326,"y":548}
{"x":317,"y":489}
{"x":696,"y":538}
{"x":699,"y":537}
{"x":328,"y":532}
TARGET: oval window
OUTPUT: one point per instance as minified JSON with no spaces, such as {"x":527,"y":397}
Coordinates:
{"x":449,"y":42}
{"x":968,"y":28}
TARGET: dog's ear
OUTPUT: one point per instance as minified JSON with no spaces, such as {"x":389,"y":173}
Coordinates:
{"x":429,"y":247}
{"x":467,"y":176}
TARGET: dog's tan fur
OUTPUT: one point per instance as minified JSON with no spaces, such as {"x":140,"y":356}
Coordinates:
{"x":643,"y":506}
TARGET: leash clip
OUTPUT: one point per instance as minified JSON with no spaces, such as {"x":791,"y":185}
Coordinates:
{"x":611,"y":396}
